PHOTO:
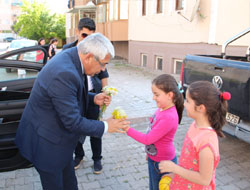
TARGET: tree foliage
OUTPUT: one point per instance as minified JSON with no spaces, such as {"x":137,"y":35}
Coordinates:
{"x":35,"y":21}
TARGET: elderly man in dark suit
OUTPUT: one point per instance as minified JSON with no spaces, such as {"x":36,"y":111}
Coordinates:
{"x":86,"y":27}
{"x":54,"y":117}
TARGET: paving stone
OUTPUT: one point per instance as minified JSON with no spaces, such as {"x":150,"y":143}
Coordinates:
{"x":24,"y":187}
{"x":2,"y":183}
{"x":230,"y":187}
{"x":243,"y":184}
{"x":91,"y":185}
{"x":8,"y":175}
{"x":108,"y":182}
{"x":123,"y":186}
{"x":28,"y":179}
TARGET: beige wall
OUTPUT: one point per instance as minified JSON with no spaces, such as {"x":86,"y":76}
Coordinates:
{"x":114,"y":30}
{"x":121,"y":49}
{"x":171,"y":51}
{"x":215,"y":22}
{"x":232,"y":19}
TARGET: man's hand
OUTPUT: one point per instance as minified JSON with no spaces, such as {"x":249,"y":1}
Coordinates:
{"x":116,"y":125}
{"x":101,"y":99}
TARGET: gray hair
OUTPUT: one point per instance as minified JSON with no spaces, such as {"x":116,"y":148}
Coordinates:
{"x":98,"y":45}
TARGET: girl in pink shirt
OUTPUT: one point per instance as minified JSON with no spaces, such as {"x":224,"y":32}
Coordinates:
{"x":200,"y":152}
{"x":163,"y":125}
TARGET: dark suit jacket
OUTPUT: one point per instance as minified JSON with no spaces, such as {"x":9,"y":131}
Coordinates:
{"x":93,"y":110}
{"x":53,"y":118}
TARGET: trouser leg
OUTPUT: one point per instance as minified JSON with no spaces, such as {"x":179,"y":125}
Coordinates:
{"x":96,"y":147}
{"x":79,"y":152}
{"x":59,"y":180}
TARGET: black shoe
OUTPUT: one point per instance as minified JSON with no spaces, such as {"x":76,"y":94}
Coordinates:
{"x":77,"y":163}
{"x":97,"y":167}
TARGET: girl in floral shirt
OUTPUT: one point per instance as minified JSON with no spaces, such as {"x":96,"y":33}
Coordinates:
{"x":200,"y":152}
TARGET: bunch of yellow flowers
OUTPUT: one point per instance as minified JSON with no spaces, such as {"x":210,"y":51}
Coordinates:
{"x":119,"y":113}
{"x":109,"y":91}
{"x":165,"y":182}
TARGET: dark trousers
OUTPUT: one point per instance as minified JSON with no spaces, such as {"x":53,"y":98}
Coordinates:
{"x":96,"y":147}
{"x":63,"y":180}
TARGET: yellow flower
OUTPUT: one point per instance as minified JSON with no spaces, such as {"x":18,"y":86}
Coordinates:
{"x":119,"y":113}
{"x":165,"y":183}
{"x":109,"y":91}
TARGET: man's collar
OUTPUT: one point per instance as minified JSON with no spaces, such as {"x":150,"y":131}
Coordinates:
{"x":80,"y":61}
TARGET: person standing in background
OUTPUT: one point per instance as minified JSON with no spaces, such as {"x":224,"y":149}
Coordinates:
{"x":52,"y":48}
{"x":86,"y":26}
{"x":39,"y":53}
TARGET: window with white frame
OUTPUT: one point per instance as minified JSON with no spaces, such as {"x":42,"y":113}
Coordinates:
{"x":144,"y":59}
{"x":123,"y":9}
{"x":177,"y":66}
{"x":158,"y":62}
{"x":118,"y":9}
{"x":101,"y":13}
{"x":179,"y":5}
{"x":144,"y":7}
{"x":159,"y":6}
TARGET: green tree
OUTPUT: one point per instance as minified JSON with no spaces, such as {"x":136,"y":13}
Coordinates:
{"x":36,"y":21}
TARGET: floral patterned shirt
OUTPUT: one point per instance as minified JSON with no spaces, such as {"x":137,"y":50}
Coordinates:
{"x":196,"y":139}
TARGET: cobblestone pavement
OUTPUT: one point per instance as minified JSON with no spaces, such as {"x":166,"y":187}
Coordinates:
{"x":124,"y":161}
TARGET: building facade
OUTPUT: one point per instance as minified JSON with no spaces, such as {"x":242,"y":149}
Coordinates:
{"x":157,"y":34}
{"x":162,"y":32}
{"x":78,"y":9}
{"x":112,"y":21}
{"x":111,"y":17}
{"x":9,"y":12}
{"x":5,"y":15}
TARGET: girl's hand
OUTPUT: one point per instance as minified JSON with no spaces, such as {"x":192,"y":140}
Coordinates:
{"x":126,"y":129}
{"x":167,"y":166}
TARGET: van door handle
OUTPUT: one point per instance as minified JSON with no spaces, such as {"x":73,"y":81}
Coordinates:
{"x":4,"y":88}
{"x":219,"y":68}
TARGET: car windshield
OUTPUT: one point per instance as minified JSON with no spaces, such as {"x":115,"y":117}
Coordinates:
{"x":21,"y":44}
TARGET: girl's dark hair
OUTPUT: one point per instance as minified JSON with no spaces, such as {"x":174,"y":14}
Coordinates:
{"x":167,"y":83}
{"x":53,"y":40}
{"x":204,"y":92}
{"x":39,"y":41}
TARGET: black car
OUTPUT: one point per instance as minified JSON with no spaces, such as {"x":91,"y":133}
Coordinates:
{"x":14,"y":93}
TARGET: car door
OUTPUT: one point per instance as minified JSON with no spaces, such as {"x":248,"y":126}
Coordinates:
{"x":14,"y":93}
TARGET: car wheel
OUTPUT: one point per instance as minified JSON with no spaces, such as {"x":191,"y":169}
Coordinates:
{"x":8,"y":70}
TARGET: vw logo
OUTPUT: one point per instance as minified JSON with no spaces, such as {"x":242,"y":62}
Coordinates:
{"x":217,"y":82}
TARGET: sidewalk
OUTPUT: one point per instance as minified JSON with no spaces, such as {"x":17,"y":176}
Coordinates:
{"x":124,"y":164}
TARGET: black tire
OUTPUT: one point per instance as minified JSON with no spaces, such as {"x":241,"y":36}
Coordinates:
{"x":8,"y":70}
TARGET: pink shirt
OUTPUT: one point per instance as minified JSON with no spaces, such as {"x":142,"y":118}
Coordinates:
{"x":196,"y":139}
{"x":164,"y":127}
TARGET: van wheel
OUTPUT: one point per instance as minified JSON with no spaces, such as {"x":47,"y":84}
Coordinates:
{"x":8,"y":70}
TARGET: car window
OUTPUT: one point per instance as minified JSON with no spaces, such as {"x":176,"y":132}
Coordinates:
{"x":7,"y":74}
{"x":30,"y":56}
{"x":16,"y":72}
{"x":22,"y":43}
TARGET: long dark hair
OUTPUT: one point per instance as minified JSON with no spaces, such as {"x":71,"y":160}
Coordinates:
{"x":204,"y":92}
{"x":53,"y":40}
{"x":167,"y":83}
{"x":39,"y":41}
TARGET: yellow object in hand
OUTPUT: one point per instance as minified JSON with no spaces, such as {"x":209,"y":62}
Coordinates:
{"x":119,"y":113}
{"x":165,"y":183}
